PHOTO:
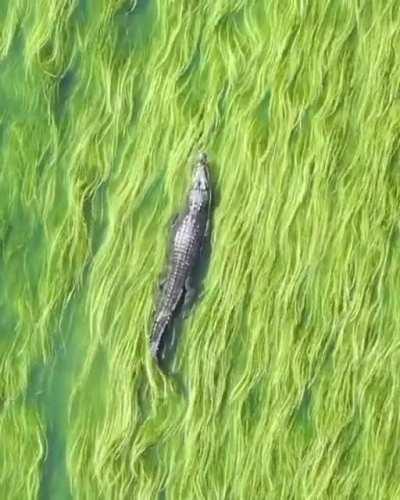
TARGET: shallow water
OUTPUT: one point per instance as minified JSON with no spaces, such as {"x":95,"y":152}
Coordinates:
{"x":286,"y":377}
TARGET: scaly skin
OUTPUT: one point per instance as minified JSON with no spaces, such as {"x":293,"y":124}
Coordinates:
{"x":190,"y":230}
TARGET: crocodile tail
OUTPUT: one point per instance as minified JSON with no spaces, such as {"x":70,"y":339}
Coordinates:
{"x":156,"y":343}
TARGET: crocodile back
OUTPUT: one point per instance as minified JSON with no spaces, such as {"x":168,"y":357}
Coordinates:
{"x":186,"y":245}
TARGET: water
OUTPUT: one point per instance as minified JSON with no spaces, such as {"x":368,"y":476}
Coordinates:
{"x":286,"y":371}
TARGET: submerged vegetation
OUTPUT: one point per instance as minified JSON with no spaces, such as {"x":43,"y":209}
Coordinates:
{"x":288,"y":373}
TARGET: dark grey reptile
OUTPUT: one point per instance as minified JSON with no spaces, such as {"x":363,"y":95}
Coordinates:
{"x":190,"y":230}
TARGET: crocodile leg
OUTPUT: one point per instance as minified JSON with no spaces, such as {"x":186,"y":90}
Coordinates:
{"x":160,"y":290}
{"x":206,"y":239}
{"x":207,"y":230}
{"x":163,"y":352}
{"x":174,"y":221}
{"x":190,"y":293}
{"x":173,"y":337}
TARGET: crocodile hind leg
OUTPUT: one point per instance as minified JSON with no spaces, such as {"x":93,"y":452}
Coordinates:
{"x":205,"y":244}
{"x":190,"y":293}
{"x":172,"y":343}
{"x":163,"y":350}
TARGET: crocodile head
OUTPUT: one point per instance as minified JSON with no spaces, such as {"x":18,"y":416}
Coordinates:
{"x":199,"y":195}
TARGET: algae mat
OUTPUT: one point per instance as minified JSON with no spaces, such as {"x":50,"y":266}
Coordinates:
{"x":287,"y":382}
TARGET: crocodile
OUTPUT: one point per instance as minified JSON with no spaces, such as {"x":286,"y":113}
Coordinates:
{"x":190,"y":231}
